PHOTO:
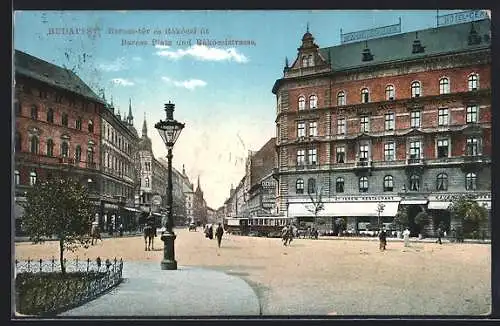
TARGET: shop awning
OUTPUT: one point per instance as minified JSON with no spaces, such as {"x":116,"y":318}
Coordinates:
{"x":438,"y":204}
{"x":344,"y":209}
{"x":413,"y":202}
{"x":131,"y":209}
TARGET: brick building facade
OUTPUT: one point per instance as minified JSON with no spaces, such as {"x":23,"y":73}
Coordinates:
{"x":57,"y":127}
{"x":399,"y":120}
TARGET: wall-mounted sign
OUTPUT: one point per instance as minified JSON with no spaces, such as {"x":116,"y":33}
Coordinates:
{"x":370,"y":33}
{"x":462,"y":17}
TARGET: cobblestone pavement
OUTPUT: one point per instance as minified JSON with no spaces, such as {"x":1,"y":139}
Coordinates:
{"x":314,"y":277}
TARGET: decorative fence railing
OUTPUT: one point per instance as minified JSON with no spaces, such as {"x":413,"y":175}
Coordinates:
{"x":96,"y":277}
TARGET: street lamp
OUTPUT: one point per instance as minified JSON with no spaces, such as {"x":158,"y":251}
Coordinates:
{"x":380,"y":209}
{"x":169,"y":130}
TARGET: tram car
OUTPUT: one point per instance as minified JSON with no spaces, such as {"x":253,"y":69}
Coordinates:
{"x":261,"y":226}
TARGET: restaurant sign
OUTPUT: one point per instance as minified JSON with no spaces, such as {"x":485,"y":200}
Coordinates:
{"x":370,"y":33}
{"x":452,"y":197}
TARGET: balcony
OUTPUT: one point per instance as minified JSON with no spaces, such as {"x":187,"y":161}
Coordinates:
{"x":474,"y":162}
{"x":363,"y":166}
{"x":66,"y":160}
{"x":415,"y":164}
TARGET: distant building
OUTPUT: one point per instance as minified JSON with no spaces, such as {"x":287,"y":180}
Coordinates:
{"x":199,"y":206}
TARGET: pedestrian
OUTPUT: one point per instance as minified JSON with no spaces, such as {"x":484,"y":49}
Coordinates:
{"x":439,"y":236}
{"x":383,"y":239}
{"x":120,"y":229}
{"x":406,"y":237}
{"x":218,"y":234}
{"x":211,"y":232}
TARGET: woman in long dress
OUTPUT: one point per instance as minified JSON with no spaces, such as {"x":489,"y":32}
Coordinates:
{"x":406,"y":237}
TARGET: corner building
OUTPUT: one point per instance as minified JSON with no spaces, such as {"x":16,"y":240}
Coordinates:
{"x":398,"y":120}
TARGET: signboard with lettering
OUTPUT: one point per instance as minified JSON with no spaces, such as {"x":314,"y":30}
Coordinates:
{"x":377,"y":198}
{"x":370,"y":33}
{"x":462,"y":17}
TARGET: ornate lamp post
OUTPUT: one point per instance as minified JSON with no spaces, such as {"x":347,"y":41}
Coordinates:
{"x":169,"y":130}
{"x":380,"y":209}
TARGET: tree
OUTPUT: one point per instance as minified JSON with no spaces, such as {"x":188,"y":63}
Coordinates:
{"x":316,"y":205}
{"x":401,"y":219}
{"x":469,"y":212}
{"x":61,"y":208}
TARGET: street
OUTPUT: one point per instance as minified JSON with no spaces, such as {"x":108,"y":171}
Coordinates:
{"x":324,"y":277}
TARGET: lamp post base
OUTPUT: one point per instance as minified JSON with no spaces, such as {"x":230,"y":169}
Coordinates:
{"x":168,"y":262}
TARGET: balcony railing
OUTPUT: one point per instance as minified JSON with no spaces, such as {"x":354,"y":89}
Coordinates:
{"x":414,"y":160}
{"x":363,"y":163}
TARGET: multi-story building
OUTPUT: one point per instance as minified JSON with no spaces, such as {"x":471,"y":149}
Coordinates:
{"x":119,"y":141}
{"x":187,"y":189}
{"x":153,"y":177}
{"x":57,"y":127}
{"x":398,"y":120}
{"x":178,"y":196}
{"x":261,"y":190}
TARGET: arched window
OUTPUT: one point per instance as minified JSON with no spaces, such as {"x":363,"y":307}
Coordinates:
{"x":302,"y":103}
{"x":340,"y":98}
{"x":470,"y":181}
{"x":34,"y":112}
{"x":365,"y":95}
{"x":415,"y":183}
{"x":389,"y":93}
{"x":90,"y":155}
{"x":442,"y":181}
{"x":415,"y":89}
{"x":32,"y":178}
{"x":444,"y":86}
{"x":339,"y":184}
{"x":17,"y":178}
{"x":388,"y":183}
{"x":146,"y":182}
{"x":473,"y":82}
{"x":310,"y":60}
{"x":78,"y":123}
{"x":64,"y":119}
{"x":91,"y":126}
{"x":363,"y":184}
{"x":50,"y":115}
{"x":299,"y":186}
{"x":34,"y":143}
{"x":64,"y":149}
{"x":313,"y":102}
{"x":17,"y":141}
{"x":311,"y":186}
{"x":78,"y":153}
{"x":50,"y":147}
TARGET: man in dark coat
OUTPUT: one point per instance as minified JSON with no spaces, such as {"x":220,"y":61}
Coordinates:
{"x":383,"y":239}
{"x":439,"y":232}
{"x":211,"y":232}
{"x":218,"y":234}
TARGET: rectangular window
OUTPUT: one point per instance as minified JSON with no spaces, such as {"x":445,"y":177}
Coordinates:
{"x":442,"y":148}
{"x":471,"y":114}
{"x":389,"y":151}
{"x":415,"y":119}
{"x":389,"y":121}
{"x":313,"y":130}
{"x":341,"y":130}
{"x":340,"y":154}
{"x":415,"y":149}
{"x":363,"y":152}
{"x":301,"y":129}
{"x":301,"y":157}
{"x":365,"y":124}
{"x":472,"y":146}
{"x":312,"y":156}
{"x":443,"y":117}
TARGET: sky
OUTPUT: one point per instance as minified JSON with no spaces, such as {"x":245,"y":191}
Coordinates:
{"x":221,"y":92}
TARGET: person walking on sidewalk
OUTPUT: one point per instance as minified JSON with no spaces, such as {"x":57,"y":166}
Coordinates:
{"x":406,"y":237}
{"x":439,"y":232}
{"x":383,"y":239}
{"x":219,"y":232}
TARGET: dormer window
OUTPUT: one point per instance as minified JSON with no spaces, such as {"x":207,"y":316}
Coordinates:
{"x":310,"y":60}
{"x":366,"y":54}
{"x":305,"y":61}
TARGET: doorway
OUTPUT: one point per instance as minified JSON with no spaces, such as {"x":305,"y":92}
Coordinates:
{"x":413,"y":210}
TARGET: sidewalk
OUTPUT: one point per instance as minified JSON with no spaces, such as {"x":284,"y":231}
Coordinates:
{"x":443,"y":240}
{"x":147,"y":290}
{"x":103,"y":235}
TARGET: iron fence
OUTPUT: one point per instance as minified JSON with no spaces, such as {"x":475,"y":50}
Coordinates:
{"x":97,"y":277}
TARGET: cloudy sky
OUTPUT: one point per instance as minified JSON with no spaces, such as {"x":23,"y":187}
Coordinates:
{"x":222,"y":92}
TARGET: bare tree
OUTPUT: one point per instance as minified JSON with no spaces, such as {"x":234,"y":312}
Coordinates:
{"x":317,"y":204}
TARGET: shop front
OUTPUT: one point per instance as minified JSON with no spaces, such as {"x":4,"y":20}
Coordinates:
{"x":360,"y":213}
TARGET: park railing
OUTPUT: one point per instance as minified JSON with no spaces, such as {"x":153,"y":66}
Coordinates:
{"x":51,"y":293}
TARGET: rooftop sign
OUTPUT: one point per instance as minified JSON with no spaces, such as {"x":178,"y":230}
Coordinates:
{"x":370,"y":33}
{"x":462,"y":17}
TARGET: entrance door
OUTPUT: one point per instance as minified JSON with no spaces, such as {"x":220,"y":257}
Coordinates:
{"x":413,"y":210}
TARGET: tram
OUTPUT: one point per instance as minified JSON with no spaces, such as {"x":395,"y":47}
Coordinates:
{"x":262,"y":226}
